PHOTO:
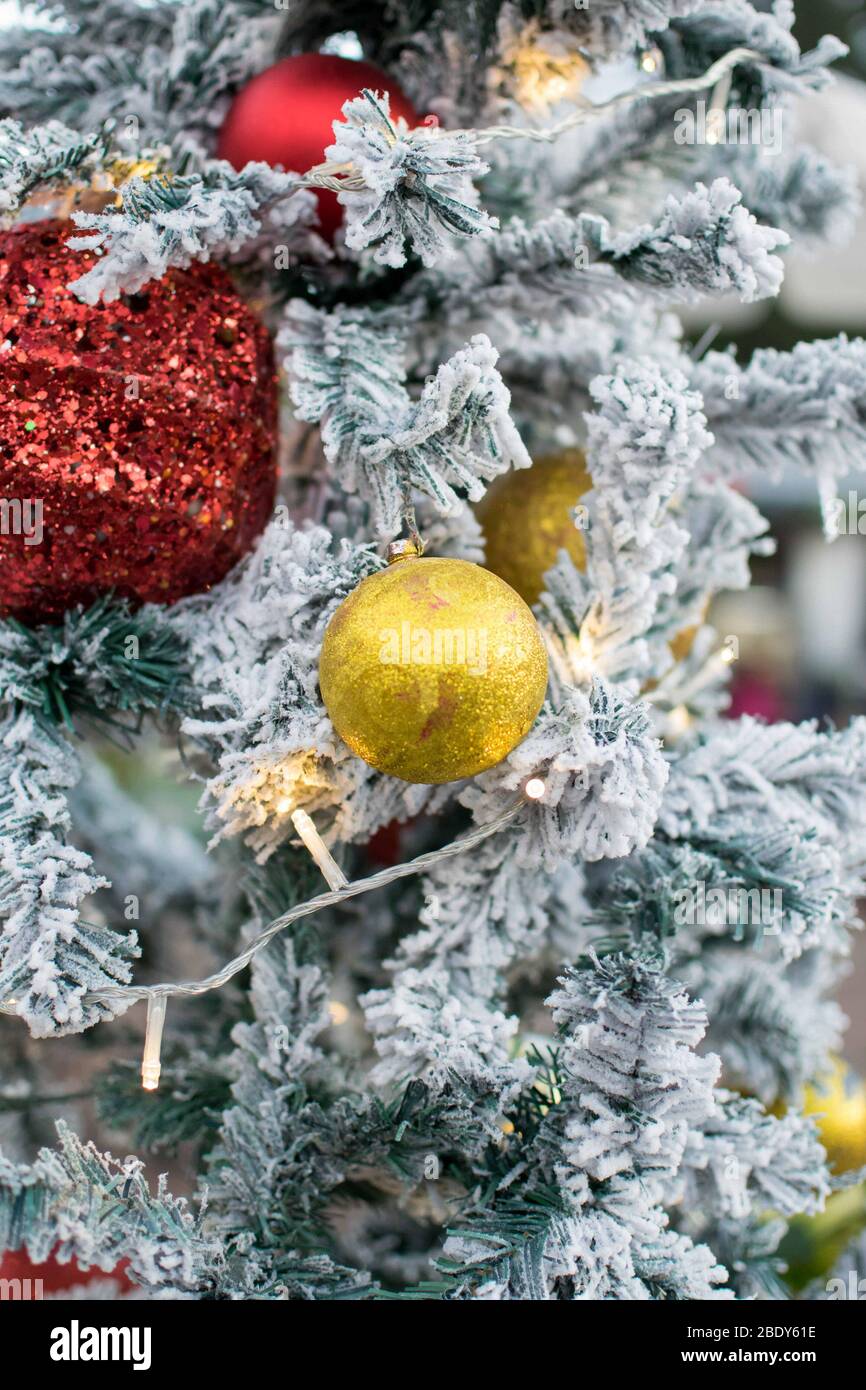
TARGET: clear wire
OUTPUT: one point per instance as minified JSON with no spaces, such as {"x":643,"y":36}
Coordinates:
{"x":130,"y":994}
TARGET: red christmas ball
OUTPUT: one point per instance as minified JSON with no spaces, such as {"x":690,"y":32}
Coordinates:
{"x":138,"y":450}
{"x":285,"y":116}
{"x":56,"y":1277}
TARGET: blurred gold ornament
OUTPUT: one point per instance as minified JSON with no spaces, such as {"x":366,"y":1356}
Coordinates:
{"x":432,"y":670}
{"x":681,"y":644}
{"x":838,"y":1100}
{"x":526,"y":517}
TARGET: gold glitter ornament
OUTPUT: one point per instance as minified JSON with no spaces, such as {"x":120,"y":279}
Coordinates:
{"x":432,"y":670}
{"x":526,"y":517}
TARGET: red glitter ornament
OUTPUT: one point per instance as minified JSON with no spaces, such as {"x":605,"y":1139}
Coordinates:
{"x":285,"y":116}
{"x":55,"y":1277}
{"x":138,"y":450}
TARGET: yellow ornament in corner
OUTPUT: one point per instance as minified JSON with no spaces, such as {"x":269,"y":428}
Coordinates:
{"x":838,"y":1100}
{"x":432,"y":670}
{"x":526,"y":517}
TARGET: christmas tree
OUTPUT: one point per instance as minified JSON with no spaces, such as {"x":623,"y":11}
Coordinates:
{"x":503,"y":959}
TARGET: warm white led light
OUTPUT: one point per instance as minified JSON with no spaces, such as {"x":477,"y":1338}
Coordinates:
{"x":318,"y":849}
{"x":150,"y":1062}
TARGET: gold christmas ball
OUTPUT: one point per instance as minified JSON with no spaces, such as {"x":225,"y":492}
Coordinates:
{"x":838,"y":1100}
{"x":432,"y":670}
{"x":526,"y":519}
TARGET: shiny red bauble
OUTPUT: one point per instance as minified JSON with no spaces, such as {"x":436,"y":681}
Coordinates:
{"x":286,"y":114}
{"x":138,"y":449}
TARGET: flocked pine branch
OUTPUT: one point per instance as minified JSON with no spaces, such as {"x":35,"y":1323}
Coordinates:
{"x":645,"y":438}
{"x":172,"y":220}
{"x":30,"y":158}
{"x":801,"y":775}
{"x":805,"y":408}
{"x":705,"y":242}
{"x":742,"y":1163}
{"x":803,"y":192}
{"x":417,"y":183}
{"x":348,"y":373}
{"x":583,"y":1218}
{"x":81,"y":1204}
{"x":796,"y":189}
{"x":169,"y":865}
{"x":603,"y":1169}
{"x":270,"y":1171}
{"x":773,"y":1029}
{"x":101,"y":663}
{"x":603,"y":778}
{"x":603,"y":775}
{"x":755,"y":1160}
{"x":714,"y":27}
{"x":794,"y":876}
{"x":529,"y":270}
{"x":167,"y":66}
{"x":104,"y":665}
{"x":620,"y":24}
{"x":291,"y":1141}
{"x":725,"y":530}
{"x":51,"y":955}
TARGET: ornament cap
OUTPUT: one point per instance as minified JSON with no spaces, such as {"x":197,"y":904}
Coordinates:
{"x":411,"y":549}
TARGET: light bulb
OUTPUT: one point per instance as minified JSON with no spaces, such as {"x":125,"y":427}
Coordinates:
{"x":679,"y":720}
{"x":331,"y":870}
{"x":150,"y":1062}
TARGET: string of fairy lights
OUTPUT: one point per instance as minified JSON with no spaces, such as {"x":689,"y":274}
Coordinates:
{"x":341,"y":177}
